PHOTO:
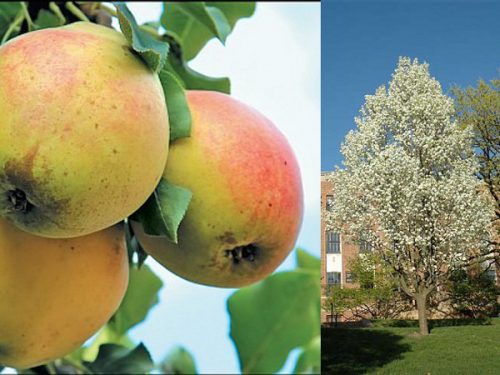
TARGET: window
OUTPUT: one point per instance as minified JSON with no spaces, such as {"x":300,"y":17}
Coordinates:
{"x":333,"y":278}
{"x":332,"y":242}
{"x":349,"y":278}
{"x":329,"y":202}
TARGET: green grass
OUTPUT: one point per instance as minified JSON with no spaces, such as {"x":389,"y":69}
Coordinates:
{"x":467,"y":349}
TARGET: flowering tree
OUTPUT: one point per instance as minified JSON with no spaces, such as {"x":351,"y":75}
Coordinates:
{"x":408,"y":185}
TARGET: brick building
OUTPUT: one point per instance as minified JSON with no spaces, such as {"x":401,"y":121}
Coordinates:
{"x":336,"y":252}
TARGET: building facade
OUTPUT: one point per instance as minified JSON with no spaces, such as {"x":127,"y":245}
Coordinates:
{"x":336,"y":251}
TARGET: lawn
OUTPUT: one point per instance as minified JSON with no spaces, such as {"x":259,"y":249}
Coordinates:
{"x":463,"y":349}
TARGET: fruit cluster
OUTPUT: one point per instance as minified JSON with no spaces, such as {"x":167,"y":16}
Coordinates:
{"x":84,"y":142}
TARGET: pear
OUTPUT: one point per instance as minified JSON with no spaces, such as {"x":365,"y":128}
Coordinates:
{"x":84,"y":130}
{"x":247,"y":205}
{"x":56,"y":293}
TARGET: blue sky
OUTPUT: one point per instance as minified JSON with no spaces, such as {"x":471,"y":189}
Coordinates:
{"x":362,"y":40}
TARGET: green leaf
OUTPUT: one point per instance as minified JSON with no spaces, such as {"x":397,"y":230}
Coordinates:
{"x":178,"y":361}
{"x":153,"y":51}
{"x":309,"y":361}
{"x":9,"y":9}
{"x":194,"y":24}
{"x":46,"y":19}
{"x":178,"y":111}
{"x":141,"y":296}
{"x":105,"y":336}
{"x":164,"y":210}
{"x":307,"y":260}
{"x":180,"y":52}
{"x":271,"y":318}
{"x":235,"y":10}
{"x":220,"y":21}
{"x":197,"y":81}
{"x":116,"y":359}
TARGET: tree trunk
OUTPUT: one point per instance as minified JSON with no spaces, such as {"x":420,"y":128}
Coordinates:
{"x":421,"y":300}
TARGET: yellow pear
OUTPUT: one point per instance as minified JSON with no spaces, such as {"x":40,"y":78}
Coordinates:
{"x":83,"y":130}
{"x":56,"y":293}
{"x":247,"y":203}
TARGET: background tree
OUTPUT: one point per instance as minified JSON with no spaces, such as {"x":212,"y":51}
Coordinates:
{"x":378,"y":295}
{"x":473,"y":293}
{"x":338,"y":301}
{"x":408,"y":185}
{"x":479,"y":108}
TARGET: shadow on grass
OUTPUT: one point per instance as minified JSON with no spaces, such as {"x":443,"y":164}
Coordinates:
{"x":357,"y":350}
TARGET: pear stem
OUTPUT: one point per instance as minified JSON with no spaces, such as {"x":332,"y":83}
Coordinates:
{"x":27,"y":16}
{"x":57,"y":11}
{"x":51,"y":368}
{"x":14,"y":25}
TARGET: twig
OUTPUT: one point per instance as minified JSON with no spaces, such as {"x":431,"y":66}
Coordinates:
{"x":17,"y":22}
{"x":57,"y":11}
{"x":51,"y":368}
{"x":27,"y":16}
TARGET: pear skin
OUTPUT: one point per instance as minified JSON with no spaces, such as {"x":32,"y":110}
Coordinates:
{"x":84,"y":130}
{"x":247,"y":205}
{"x":56,"y":293}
